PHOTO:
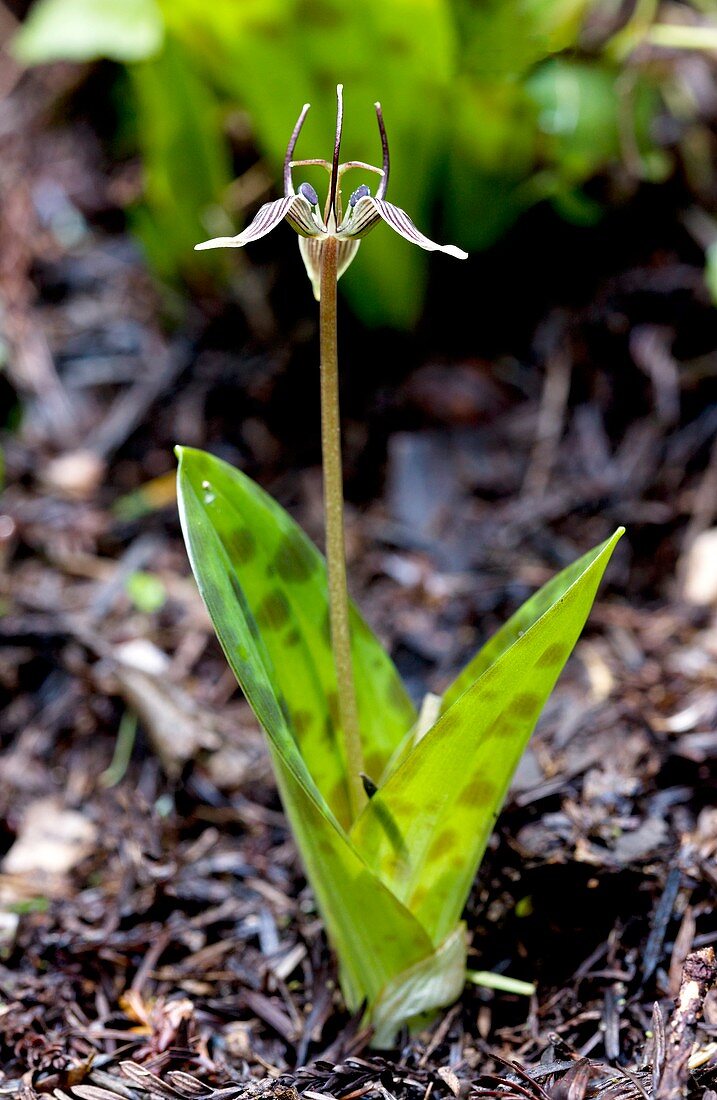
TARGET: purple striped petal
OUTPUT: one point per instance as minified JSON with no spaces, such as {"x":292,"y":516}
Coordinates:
{"x":294,"y":208}
{"x":301,"y":217}
{"x":346,"y":251}
{"x":312,"y":250}
{"x":360,"y":218}
{"x":368,"y":211}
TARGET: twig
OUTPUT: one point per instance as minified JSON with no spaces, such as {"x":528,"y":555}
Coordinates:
{"x":551,"y":419}
{"x":704,"y":510}
{"x":163,"y":364}
{"x":698,"y":977}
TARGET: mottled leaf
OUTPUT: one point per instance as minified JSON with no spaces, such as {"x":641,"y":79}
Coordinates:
{"x":375,"y":936}
{"x":520,"y":622}
{"x":444,"y":797}
{"x":279,"y":582}
{"x":434,"y":982}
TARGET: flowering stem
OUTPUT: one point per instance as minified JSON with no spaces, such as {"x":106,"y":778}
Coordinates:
{"x":334,"y":520}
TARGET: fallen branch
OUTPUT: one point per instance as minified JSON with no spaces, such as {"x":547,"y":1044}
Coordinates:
{"x":699,"y":975}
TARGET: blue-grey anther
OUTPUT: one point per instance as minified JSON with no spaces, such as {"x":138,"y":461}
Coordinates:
{"x":360,"y":193}
{"x":308,"y":192}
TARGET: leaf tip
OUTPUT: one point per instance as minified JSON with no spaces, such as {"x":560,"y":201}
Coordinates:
{"x":615,"y":537}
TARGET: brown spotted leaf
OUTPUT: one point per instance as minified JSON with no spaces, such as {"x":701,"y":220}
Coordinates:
{"x":278,"y":579}
{"x":375,"y":936}
{"x":443,"y":798}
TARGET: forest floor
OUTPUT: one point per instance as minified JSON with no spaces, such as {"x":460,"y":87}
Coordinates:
{"x":157,"y":937}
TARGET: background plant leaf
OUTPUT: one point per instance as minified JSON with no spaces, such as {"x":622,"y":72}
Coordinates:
{"x":86,"y":30}
{"x":282,"y":579}
{"x":186,"y":164}
{"x":444,"y":797}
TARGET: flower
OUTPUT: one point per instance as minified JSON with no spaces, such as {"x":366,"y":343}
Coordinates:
{"x":301,"y":208}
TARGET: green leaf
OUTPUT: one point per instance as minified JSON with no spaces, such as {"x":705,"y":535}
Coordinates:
{"x":491,"y":48}
{"x":281,"y":589}
{"x":582,"y":119}
{"x":444,"y":797}
{"x":711,"y":270}
{"x":434,"y":982}
{"x":375,"y":936}
{"x":391,"y":891}
{"x":521,"y":622}
{"x":87,"y":30}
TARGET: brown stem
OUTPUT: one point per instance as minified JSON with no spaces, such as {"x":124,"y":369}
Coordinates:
{"x":334,"y":521}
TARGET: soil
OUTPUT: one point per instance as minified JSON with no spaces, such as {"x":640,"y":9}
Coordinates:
{"x":157,"y":937}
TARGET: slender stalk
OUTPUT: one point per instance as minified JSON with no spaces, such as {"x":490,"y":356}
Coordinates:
{"x":334,"y":520}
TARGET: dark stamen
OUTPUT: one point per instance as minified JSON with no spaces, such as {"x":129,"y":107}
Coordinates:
{"x":360,"y":193}
{"x":381,"y":192}
{"x":288,"y":186}
{"x":337,"y":149}
{"x":308,"y":192}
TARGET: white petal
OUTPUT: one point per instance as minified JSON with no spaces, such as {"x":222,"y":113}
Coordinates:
{"x":346,"y":251}
{"x":359,"y":219}
{"x":301,"y":217}
{"x":367,"y":212}
{"x":293,"y":207}
{"x":312,"y":251}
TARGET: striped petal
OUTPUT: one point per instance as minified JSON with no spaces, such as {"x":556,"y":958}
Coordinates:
{"x":346,"y":251}
{"x":360,"y":218}
{"x":295,"y":208}
{"x":368,"y":211}
{"x":312,"y":254}
{"x":302,"y":218}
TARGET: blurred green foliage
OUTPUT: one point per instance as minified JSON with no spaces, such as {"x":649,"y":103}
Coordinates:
{"x":186,"y":159}
{"x":82,"y":30}
{"x":711,"y":270}
{"x":490,"y":106}
{"x":146,"y":591}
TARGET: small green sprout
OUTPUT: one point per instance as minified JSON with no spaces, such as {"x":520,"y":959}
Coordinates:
{"x":391,"y":810}
{"x":146,"y":591}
